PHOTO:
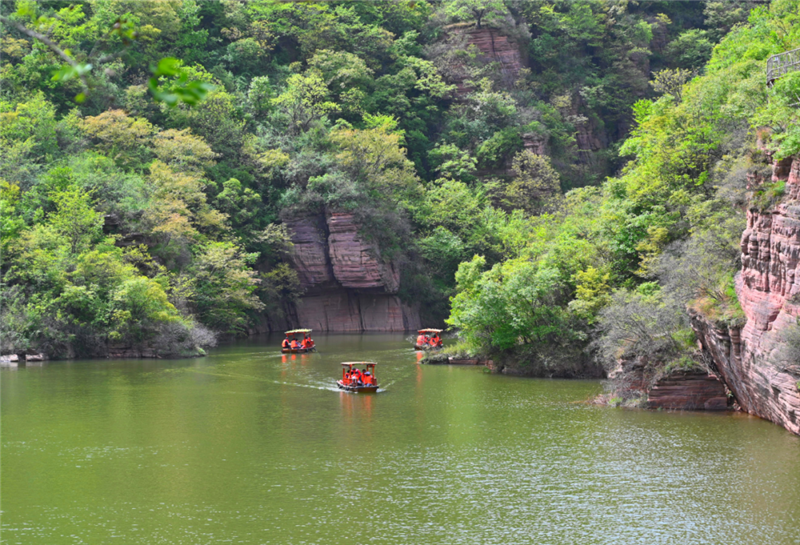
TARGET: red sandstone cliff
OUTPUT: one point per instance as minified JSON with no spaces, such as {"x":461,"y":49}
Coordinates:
{"x":498,"y":48}
{"x":749,"y":358}
{"x":348,"y":286}
{"x":493,"y":47}
{"x":690,"y":390}
{"x":510,"y":57}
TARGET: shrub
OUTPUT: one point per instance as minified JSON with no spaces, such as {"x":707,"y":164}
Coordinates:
{"x":768,"y":195}
{"x":636,"y":325}
{"x":790,"y":338}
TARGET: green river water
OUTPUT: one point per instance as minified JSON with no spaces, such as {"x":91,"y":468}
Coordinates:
{"x":249,"y":446}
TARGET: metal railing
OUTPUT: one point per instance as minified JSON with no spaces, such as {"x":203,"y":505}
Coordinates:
{"x":781,"y":64}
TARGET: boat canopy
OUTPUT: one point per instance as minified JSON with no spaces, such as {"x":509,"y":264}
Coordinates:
{"x":430,"y":331}
{"x":296,"y":331}
{"x":351,"y":363}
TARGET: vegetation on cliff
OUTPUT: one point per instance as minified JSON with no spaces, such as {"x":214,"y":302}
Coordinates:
{"x":625,"y":259}
{"x":145,"y":178}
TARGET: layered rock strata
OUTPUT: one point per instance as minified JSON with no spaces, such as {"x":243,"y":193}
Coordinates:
{"x":494,"y":47}
{"x":498,"y":48}
{"x":688,"y":390}
{"x":751,"y":360}
{"x":348,"y":286}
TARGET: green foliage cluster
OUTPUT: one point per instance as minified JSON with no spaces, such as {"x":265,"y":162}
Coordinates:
{"x":624,"y":260}
{"x":266,"y":110}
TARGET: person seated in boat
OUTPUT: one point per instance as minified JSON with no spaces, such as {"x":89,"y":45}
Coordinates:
{"x":368,"y":378}
{"x":295,"y":345}
{"x":285,"y":343}
{"x":357,"y":377}
{"x":308,"y":343}
{"x":436,"y":340}
{"x":421,"y":340}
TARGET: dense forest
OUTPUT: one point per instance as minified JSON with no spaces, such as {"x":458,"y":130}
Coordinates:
{"x":572,"y":206}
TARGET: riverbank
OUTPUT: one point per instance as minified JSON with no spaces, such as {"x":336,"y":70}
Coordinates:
{"x":635,"y":384}
{"x":564,"y":363}
{"x":126,"y":353}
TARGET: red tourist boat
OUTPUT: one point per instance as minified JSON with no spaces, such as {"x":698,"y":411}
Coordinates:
{"x":428,"y":339}
{"x":358,"y":381}
{"x":298,"y":341}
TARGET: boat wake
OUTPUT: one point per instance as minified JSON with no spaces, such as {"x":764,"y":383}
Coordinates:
{"x":259,"y":379}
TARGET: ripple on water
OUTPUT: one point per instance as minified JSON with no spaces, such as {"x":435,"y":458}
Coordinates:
{"x":247,"y":446}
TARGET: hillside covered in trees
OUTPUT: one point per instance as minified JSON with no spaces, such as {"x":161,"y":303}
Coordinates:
{"x":154,"y":154}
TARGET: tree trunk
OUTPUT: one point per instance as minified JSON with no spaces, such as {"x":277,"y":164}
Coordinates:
{"x":478,"y":16}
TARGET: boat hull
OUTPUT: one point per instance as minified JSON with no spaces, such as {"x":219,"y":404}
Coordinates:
{"x":426,"y":347}
{"x":297,"y":350}
{"x":363,"y":389}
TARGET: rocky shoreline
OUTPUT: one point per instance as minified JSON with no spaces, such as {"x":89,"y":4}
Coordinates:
{"x":569,"y":364}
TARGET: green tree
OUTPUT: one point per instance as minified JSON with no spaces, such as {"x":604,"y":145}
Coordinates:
{"x":536,"y":187}
{"x":304,"y":101}
{"x":480,"y":11}
{"x":224,"y":287}
{"x":76,"y":220}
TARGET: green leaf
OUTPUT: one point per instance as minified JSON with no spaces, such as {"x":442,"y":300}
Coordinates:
{"x":64,"y":73}
{"x":168,"y":66}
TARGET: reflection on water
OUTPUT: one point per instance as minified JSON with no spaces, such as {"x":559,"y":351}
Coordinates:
{"x":250,"y":445}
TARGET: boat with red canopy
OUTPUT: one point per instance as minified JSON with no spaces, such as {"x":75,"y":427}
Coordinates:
{"x":298,"y":341}
{"x":357,"y":380}
{"x":428,"y":339}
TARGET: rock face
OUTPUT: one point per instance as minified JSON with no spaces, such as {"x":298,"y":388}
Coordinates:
{"x":639,"y":379}
{"x":494,"y":47}
{"x":749,"y":359}
{"x":688,"y":390}
{"x":348,"y":286}
{"x":310,"y":256}
{"x":498,"y":48}
{"x":355,"y":264}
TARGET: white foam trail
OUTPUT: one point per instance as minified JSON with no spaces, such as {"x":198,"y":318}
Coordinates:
{"x":259,"y":379}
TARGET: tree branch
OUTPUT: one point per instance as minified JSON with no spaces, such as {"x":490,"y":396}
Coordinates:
{"x":49,"y":43}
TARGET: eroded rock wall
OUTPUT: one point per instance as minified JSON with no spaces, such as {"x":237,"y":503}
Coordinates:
{"x":356,"y":264}
{"x":346,"y":311}
{"x":498,"y":48}
{"x":688,"y":390}
{"x":494,"y":47}
{"x":348,"y":286}
{"x":310,"y":255}
{"x":750,"y":359}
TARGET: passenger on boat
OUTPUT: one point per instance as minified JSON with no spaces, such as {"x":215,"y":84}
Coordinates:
{"x":307,"y":342}
{"x":285,"y":343}
{"x":357,"y":377}
{"x":436,"y":340}
{"x":295,"y":344}
{"x":368,"y":378}
{"x":422,"y":340}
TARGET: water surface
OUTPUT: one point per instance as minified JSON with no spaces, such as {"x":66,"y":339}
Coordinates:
{"x":249,"y":446}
